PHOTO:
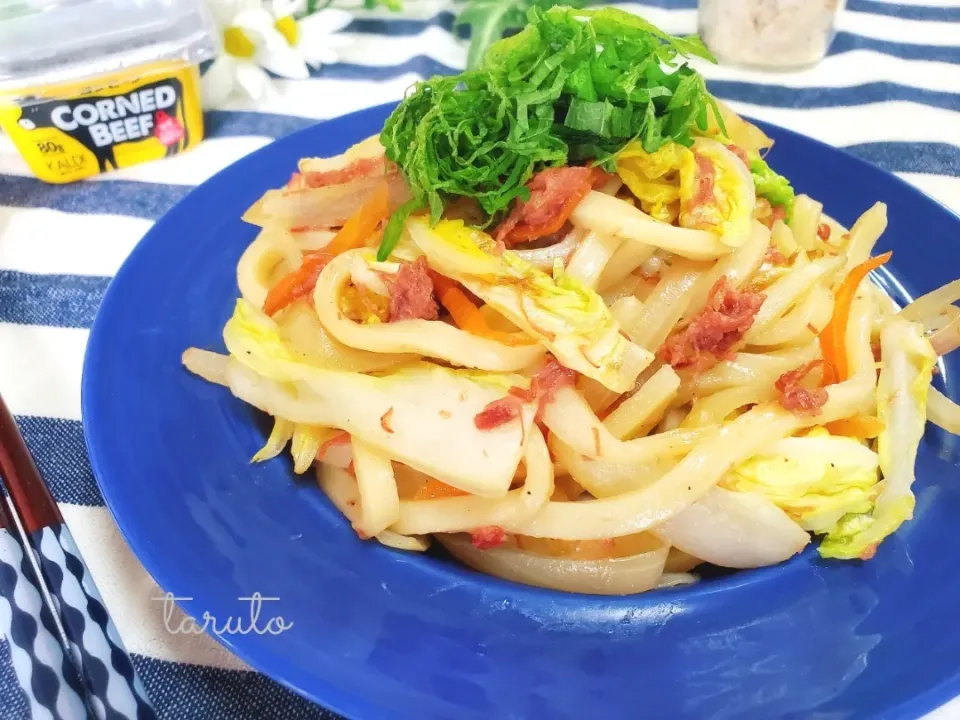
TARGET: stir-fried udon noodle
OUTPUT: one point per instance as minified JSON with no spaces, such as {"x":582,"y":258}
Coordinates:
{"x":629,"y":364}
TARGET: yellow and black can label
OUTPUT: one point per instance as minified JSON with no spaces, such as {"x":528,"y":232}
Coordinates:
{"x":72,"y":131}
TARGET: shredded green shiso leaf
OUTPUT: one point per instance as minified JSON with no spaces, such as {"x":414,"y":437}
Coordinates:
{"x":573,"y":87}
{"x":543,"y":97}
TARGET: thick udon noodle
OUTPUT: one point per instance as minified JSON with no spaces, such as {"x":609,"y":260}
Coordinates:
{"x":613,"y":490}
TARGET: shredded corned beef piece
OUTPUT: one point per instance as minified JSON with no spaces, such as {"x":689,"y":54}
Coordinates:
{"x":705,"y":176}
{"x":823,"y":231}
{"x":550,"y":378}
{"x":774,"y":257}
{"x":553,"y":376}
{"x":360,"y":168}
{"x":779,"y":212}
{"x":722,"y":323}
{"x":792,"y":377}
{"x":696,"y":210}
{"x":491,"y":536}
{"x":497,"y":413}
{"x":803,"y":401}
{"x":795,"y":397}
{"x":554,"y":193}
{"x":411,"y":293}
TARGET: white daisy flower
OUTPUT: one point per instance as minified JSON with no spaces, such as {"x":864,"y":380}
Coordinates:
{"x":313,"y":37}
{"x":257,"y":40}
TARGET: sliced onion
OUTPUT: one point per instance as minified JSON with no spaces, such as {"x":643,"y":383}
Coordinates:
{"x":211,"y":366}
{"x":937,"y":322}
{"x":733,"y":529}
{"x":617,"y":576}
{"x":544,"y":257}
{"x":412,"y":543}
{"x":863,"y":236}
{"x":363,"y":276}
{"x":943,"y":412}
{"x":676,"y":579}
{"x":328,"y":206}
{"x":947,"y":339}
{"x":946,"y":330}
{"x":933,"y":303}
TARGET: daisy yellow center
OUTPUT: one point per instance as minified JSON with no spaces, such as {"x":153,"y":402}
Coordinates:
{"x":237,"y":43}
{"x":287,"y":27}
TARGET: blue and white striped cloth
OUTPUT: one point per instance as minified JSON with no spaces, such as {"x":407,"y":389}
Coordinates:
{"x":889,"y":92}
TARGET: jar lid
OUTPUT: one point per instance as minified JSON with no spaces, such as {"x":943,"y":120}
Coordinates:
{"x":46,"y":42}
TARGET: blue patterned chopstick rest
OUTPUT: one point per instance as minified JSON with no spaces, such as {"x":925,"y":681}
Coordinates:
{"x":49,"y":681}
{"x":114,"y":686}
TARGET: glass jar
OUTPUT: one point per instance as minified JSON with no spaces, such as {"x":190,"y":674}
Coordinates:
{"x":780,"y":34}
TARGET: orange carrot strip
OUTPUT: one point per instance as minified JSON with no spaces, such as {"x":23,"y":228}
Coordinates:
{"x":862,"y":428}
{"x":833,"y":336}
{"x":434,"y":489}
{"x":361,"y":225}
{"x":466,"y":315}
{"x":296,"y":284}
{"x":356,"y":230}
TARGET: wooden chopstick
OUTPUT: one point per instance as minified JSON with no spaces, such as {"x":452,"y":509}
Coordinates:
{"x":111,"y":681}
{"x":45,"y":672}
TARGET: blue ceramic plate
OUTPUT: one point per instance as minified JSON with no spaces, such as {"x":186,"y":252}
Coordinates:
{"x":383,"y":634}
